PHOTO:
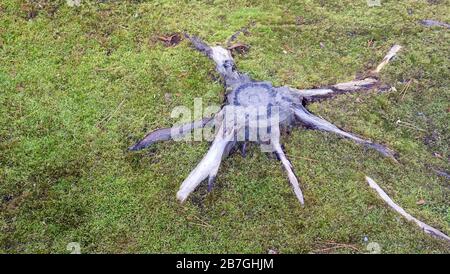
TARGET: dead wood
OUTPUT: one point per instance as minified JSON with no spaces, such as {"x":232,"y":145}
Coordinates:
{"x":426,"y":228}
{"x":284,"y":107}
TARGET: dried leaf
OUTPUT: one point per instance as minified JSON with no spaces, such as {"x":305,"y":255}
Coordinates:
{"x":420,"y":202}
{"x":171,"y":40}
{"x":239,"y":48}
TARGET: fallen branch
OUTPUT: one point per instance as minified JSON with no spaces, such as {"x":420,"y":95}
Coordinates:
{"x":426,"y":228}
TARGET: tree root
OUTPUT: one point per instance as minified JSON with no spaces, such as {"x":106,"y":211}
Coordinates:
{"x":426,"y":228}
{"x":370,"y":82}
{"x":246,"y":93}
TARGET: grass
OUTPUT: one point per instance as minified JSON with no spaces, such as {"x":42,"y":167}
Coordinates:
{"x":79,"y":85}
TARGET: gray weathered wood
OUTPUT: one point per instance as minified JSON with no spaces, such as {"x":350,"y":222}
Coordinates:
{"x":285,"y":108}
{"x":426,"y":228}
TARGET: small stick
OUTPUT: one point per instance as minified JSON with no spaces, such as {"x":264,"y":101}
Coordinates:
{"x":405,"y":89}
{"x":408,"y":125}
{"x":337,"y":246}
{"x":333,"y":243}
{"x":391,"y":54}
{"x":202,"y":225}
{"x":426,"y":228}
{"x":104,"y":121}
{"x":291,"y":175}
{"x":203,"y":221}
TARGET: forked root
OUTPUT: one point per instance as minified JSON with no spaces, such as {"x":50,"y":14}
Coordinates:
{"x":366,"y":83}
{"x":209,"y":165}
{"x":225,"y":65}
{"x":426,"y":228}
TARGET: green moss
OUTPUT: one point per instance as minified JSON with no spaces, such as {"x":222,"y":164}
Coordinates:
{"x":79,"y":85}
